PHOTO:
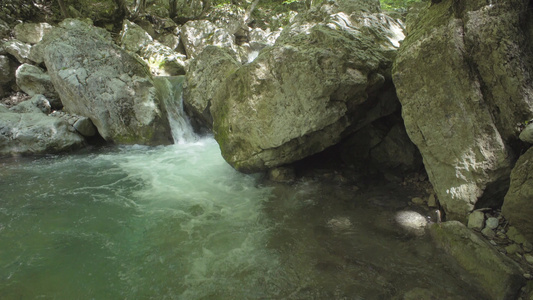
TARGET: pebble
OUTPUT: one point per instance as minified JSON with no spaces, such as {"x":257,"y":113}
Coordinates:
{"x":528,"y":247}
{"x":492,"y":223}
{"x":529,"y":259}
{"x":488,"y":233}
{"x":512,"y":249}
{"x":493,"y":243}
{"x":418,"y":200}
{"x":432,"y":201}
{"x":515,"y":236}
{"x":528,"y":276}
{"x":476,"y":220}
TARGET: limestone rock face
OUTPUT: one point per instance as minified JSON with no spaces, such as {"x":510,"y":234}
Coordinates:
{"x":314,"y":86}
{"x":196,"y":35}
{"x":499,"y":275}
{"x":133,"y":38}
{"x":31,"y":33}
{"x":206,"y":76}
{"x":462,"y":76}
{"x":99,"y":80}
{"x":33,"y":80}
{"x":518,"y":204}
{"x":163,"y":60}
{"x":34,"y":133}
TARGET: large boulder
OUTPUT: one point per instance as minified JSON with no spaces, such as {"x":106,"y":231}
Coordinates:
{"x":99,"y":80}
{"x":462,"y":76}
{"x":317,"y":84}
{"x":34,"y":133}
{"x":518,"y":204}
{"x":496,"y":273}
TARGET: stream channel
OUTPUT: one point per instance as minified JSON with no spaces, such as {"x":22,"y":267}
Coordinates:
{"x":177,"y":222}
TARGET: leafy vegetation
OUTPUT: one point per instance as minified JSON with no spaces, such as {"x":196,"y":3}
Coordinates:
{"x":397,"y":5}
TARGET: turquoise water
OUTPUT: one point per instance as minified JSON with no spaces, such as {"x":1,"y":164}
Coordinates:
{"x":177,"y":222}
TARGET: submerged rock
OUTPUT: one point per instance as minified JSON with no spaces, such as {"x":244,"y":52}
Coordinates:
{"x":101,"y":81}
{"x":518,"y":205}
{"x":462,"y":76}
{"x":499,"y":276}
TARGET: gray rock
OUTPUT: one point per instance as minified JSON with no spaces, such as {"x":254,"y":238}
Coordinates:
{"x":514,"y":235}
{"x":33,"y":81}
{"x":488,"y":233}
{"x":101,"y":81}
{"x":492,"y":223}
{"x":35,"y":133}
{"x":512,"y":249}
{"x":529,"y":259}
{"x":260,"y":38}
{"x":205,"y":78}
{"x":31,"y":33}
{"x":411,"y":221}
{"x":162,"y":60}
{"x":527,"y":134}
{"x":396,"y":151}
{"x":18,"y":49}
{"x":85,"y":127}
{"x":499,"y":275}
{"x":281,"y":174}
{"x":170,"y":40}
{"x":37,"y":104}
{"x":466,"y":154}
{"x":301,"y":96}
{"x":476,"y":220}
{"x":418,"y":201}
{"x":196,"y":35}
{"x":432,"y":201}
{"x":517,"y":206}
{"x":133,"y":38}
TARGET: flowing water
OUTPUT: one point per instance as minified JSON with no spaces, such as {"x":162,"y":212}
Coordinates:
{"x":177,"y":222}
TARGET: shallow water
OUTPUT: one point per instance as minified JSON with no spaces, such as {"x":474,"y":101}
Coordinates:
{"x":177,"y":222}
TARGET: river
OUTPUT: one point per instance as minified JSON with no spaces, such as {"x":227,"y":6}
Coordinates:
{"x":177,"y":222}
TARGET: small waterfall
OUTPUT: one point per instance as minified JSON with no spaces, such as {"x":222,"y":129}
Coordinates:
{"x":170,"y":89}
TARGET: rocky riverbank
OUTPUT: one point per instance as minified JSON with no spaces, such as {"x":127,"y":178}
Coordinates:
{"x":335,"y":79}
